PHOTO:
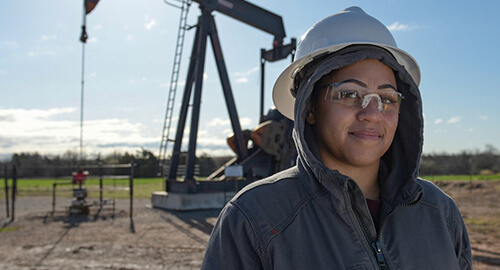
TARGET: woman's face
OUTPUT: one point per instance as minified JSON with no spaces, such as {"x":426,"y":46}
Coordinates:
{"x":351,"y":135}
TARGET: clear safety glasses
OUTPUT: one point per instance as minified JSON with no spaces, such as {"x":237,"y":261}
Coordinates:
{"x":356,"y":96}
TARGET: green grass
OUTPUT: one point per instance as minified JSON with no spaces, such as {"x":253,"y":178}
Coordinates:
{"x":8,"y":229}
{"x":492,"y":177}
{"x":483,"y":221}
{"x":112,"y":188}
{"x":489,"y":226}
{"x":144,"y":187}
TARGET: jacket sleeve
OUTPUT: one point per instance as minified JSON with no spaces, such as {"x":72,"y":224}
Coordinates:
{"x":232,"y":244}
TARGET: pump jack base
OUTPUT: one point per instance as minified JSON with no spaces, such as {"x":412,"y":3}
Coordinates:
{"x":185,"y":202}
{"x":79,"y":207}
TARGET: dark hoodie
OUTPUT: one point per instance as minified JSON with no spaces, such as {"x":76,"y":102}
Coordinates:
{"x":311,"y":217}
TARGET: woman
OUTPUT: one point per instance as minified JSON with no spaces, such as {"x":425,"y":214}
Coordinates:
{"x":353,"y":201}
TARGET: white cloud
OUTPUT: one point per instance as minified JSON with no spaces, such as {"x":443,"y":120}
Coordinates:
{"x":454,"y":119}
{"x":223,"y":151}
{"x":97,"y":27}
{"x":227,"y":131}
{"x":483,"y":117}
{"x":92,"y":40}
{"x":8,"y":44}
{"x":470,"y":130}
{"x":247,"y":73}
{"x":245,"y":122}
{"x":217,"y":122}
{"x":36,"y":130}
{"x":244,"y":75}
{"x":56,"y":130}
{"x":242,"y":80}
{"x":438,"y":121}
{"x":48,"y":37}
{"x":209,"y":139}
{"x":41,"y":53}
{"x":396,"y":26}
{"x":130,"y":38}
{"x":2,"y":72}
{"x":34,"y":113}
{"x":149,"y":23}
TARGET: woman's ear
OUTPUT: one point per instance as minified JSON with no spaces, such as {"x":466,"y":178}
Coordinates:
{"x":311,"y":118}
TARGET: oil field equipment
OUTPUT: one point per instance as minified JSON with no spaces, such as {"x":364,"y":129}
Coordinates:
{"x":272,"y":149}
{"x":79,"y":205}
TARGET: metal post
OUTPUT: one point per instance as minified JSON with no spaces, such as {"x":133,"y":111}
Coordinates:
{"x":176,"y":152}
{"x":195,"y":111}
{"x":83,"y":82}
{"x":100,"y":185}
{"x":241,"y":147}
{"x":14,"y":190}
{"x":470,"y":173}
{"x":54,"y":197}
{"x":131,"y":187}
{"x":262,"y":73}
{"x":6,"y":190}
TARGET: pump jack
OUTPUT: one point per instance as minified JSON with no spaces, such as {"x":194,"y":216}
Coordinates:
{"x":247,"y":13}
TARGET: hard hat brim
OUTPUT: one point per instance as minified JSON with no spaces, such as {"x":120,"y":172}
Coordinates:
{"x":282,"y":95}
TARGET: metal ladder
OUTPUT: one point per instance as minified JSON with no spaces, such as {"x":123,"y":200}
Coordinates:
{"x":173,"y":86}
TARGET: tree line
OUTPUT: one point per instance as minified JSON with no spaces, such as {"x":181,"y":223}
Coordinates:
{"x":463,"y":163}
{"x":146,"y":163}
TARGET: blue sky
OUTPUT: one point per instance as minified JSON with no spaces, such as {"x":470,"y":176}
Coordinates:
{"x":129,"y":57}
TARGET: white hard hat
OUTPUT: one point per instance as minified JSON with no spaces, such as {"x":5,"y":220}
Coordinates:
{"x":348,"y":27}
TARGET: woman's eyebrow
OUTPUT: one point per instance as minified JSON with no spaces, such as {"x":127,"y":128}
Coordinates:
{"x":385,"y":86}
{"x":360,"y":83}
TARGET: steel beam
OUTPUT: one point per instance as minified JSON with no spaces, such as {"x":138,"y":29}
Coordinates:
{"x":250,"y":14}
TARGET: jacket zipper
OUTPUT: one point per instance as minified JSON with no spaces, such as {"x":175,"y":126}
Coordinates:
{"x":376,"y":244}
{"x":379,"y":255}
{"x":392,"y":214}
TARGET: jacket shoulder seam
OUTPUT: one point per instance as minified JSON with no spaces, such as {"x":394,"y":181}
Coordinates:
{"x":253,"y":225}
{"x":278,"y":229}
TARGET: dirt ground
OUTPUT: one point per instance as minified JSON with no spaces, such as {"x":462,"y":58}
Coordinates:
{"x":156,"y":239}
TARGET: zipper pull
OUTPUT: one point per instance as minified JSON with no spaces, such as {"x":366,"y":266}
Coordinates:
{"x":378,"y":253}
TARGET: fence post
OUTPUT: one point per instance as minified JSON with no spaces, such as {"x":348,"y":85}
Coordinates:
{"x":131,"y":187}
{"x":14,"y":190}
{"x":6,"y":190}
{"x":54,"y":197}
{"x":100,"y":185}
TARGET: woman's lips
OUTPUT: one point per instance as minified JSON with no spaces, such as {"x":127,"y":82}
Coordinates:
{"x":371,"y":135}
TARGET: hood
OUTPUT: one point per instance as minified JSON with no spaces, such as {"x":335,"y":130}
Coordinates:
{"x":399,"y":165}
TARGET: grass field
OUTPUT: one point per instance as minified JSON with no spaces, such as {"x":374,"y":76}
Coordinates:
{"x":144,"y":187}
{"x":112,"y":188}
{"x":462,"y":177}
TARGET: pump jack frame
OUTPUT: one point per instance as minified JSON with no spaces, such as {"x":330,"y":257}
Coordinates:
{"x":250,"y":14}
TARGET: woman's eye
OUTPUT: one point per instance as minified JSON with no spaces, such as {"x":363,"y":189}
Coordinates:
{"x":349,"y":94}
{"x":387,"y":99}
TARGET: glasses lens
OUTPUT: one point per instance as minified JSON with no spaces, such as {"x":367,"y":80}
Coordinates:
{"x":354,"y":95}
{"x":390,"y":101}
{"x":348,"y":94}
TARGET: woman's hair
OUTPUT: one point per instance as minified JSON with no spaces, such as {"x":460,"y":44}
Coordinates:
{"x":315,"y":95}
